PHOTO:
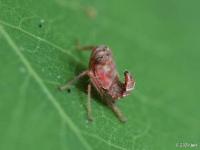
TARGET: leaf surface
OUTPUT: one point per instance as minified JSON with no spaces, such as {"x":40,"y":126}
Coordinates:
{"x":155,"y":40}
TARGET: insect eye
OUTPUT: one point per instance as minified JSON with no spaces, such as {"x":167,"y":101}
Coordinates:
{"x":99,"y":58}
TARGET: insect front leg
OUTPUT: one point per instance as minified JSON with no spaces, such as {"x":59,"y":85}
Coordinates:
{"x":67,"y":85}
{"x":117,"y":112}
{"x":83,"y":48}
{"x":129,"y":83}
{"x":89,"y":107}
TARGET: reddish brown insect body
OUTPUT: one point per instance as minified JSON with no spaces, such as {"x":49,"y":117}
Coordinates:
{"x":104,"y":77}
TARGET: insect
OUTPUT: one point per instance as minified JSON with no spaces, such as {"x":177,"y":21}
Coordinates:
{"x":105,"y":79}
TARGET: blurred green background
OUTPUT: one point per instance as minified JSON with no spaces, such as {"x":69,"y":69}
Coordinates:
{"x":157,"y":40}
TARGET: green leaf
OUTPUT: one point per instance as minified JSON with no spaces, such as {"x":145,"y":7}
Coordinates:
{"x":156,"y":40}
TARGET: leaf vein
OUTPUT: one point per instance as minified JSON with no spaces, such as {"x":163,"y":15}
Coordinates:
{"x":103,"y":140}
{"x":52,"y":99}
{"x":41,"y":39}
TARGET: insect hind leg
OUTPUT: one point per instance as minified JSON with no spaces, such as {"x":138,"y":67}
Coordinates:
{"x":118,"y":112}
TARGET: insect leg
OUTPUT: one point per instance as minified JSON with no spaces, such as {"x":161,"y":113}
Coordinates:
{"x":66,"y":86}
{"x":89,"y":107}
{"x":83,"y":48}
{"x":118,"y":112}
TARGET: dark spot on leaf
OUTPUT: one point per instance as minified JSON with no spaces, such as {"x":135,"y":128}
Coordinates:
{"x":40,"y":25}
{"x":41,"y":22}
{"x":69,"y":90}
